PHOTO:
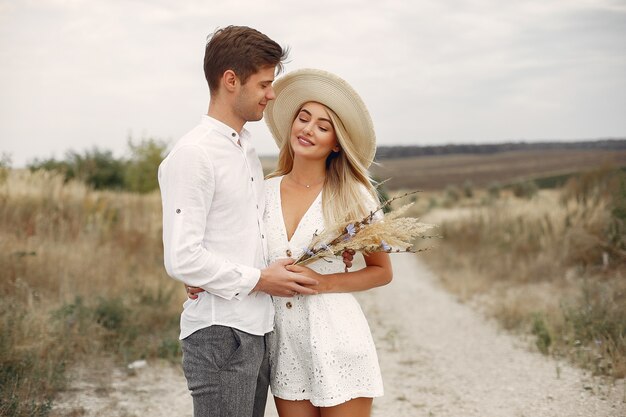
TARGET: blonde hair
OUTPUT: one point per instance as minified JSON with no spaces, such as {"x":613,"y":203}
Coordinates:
{"x":347,"y":184}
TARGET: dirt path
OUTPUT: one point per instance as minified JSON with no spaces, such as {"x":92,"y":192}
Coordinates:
{"x":438,"y":357}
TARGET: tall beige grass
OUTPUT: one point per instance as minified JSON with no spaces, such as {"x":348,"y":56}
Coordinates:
{"x":553,"y":265}
{"x":82,"y":277}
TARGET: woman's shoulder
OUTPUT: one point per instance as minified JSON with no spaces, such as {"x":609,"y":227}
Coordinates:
{"x":270,"y":183}
{"x":273,"y":179}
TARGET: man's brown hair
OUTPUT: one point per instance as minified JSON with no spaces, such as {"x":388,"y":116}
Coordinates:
{"x":241,"y":49}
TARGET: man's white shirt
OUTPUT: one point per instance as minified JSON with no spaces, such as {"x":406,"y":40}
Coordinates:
{"x":213,"y":200}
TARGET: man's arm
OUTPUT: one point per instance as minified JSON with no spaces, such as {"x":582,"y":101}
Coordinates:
{"x":272,"y":283}
{"x":187,"y":187}
{"x":275,"y":280}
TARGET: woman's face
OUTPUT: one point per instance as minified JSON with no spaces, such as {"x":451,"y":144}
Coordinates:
{"x":312,"y":133}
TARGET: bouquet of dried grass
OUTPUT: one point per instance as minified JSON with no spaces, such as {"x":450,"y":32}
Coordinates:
{"x":391,"y":233}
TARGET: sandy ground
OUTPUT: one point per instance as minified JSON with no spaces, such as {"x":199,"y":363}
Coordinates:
{"x":438,"y":358}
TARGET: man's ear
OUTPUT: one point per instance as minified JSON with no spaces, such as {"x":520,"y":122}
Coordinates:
{"x":230,"y":80}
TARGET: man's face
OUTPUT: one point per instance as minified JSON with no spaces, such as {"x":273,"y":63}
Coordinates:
{"x":253,"y":96}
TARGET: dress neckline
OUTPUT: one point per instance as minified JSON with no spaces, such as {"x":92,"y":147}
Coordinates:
{"x":280,"y":210}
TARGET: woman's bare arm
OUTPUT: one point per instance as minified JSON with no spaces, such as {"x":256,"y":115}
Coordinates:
{"x":378,"y":272}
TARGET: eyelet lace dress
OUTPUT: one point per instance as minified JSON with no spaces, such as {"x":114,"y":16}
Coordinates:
{"x":321,"y":349}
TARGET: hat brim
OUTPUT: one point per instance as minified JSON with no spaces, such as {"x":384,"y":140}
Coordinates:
{"x":302,"y":86}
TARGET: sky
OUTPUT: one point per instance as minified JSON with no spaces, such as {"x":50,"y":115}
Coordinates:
{"x":79,"y":74}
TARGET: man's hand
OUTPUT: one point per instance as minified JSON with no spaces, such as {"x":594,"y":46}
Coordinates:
{"x":278,"y":281}
{"x":287,"y":285}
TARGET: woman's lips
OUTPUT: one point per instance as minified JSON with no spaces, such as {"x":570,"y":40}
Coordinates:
{"x":304,"y":142}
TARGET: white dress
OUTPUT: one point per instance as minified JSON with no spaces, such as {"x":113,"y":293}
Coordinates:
{"x":321,"y":349}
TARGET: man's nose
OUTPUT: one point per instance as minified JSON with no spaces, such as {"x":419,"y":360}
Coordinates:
{"x":271,"y":95}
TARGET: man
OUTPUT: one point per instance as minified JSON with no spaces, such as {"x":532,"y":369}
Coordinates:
{"x":213,"y":200}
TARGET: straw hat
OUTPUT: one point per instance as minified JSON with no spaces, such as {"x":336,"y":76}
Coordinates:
{"x":304,"y":85}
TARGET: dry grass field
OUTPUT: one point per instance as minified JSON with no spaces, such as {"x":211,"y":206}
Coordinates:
{"x":551,"y":264}
{"x":438,"y":172}
{"x":83,"y":276}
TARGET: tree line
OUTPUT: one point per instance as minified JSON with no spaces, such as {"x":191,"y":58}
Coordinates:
{"x":100,"y":169}
{"x":392,"y":152}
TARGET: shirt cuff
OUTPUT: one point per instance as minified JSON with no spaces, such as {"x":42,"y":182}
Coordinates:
{"x":249,"y":278}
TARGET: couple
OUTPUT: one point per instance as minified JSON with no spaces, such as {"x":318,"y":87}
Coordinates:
{"x":254,"y":319}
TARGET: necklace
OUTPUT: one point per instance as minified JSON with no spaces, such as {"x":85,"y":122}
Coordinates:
{"x":306,"y":185}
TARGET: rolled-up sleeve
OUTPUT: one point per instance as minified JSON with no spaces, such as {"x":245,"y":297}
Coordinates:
{"x":187,"y":183}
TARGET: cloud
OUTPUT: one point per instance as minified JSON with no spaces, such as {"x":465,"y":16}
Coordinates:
{"x":80,"y":73}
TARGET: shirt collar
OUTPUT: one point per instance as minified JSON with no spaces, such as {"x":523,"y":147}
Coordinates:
{"x":226,"y":130}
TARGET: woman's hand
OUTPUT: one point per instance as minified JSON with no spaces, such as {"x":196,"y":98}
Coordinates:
{"x":348,"y":257}
{"x":323,"y":280}
{"x":192,"y":292}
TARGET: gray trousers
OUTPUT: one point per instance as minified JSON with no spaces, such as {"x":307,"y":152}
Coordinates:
{"x":227,"y":372}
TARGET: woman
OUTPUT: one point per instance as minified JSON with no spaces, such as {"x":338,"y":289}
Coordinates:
{"x":322,"y":358}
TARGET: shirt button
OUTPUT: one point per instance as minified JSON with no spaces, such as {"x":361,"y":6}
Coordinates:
{"x":288,"y":252}
{"x":252,"y":178}
{"x":262,"y":236}
{"x":236,"y":294}
{"x":289,"y":305}
{"x":233,"y":134}
{"x":177,"y":210}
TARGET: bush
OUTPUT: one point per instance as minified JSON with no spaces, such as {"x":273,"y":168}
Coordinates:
{"x":97,"y":168}
{"x":5,"y":167}
{"x":468,"y":192}
{"x":494,"y":190}
{"x":527,"y":189}
{"x":30,"y":373}
{"x":597,"y":321}
{"x":452,"y":196}
{"x":595,"y":191}
{"x":111,"y":313}
{"x":142,"y":168}
{"x":540,"y":330}
{"x":169,"y":349}
{"x":64,"y":168}
{"x":101,"y":170}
